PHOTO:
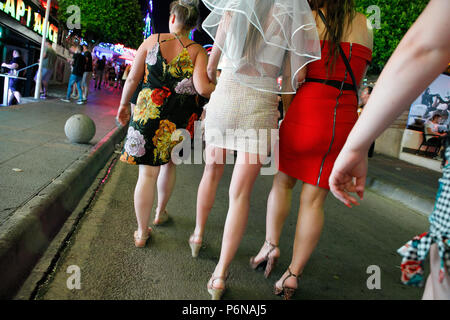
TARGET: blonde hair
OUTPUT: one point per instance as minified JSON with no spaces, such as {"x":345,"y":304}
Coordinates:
{"x":187,"y":12}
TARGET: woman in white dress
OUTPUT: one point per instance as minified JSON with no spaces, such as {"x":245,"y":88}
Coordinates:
{"x":258,"y":40}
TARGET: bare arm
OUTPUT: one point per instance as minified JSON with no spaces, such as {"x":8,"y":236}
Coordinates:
{"x":134,"y":77}
{"x":216,"y":52}
{"x":420,"y":57}
{"x":11,"y":66}
{"x":201,"y":81}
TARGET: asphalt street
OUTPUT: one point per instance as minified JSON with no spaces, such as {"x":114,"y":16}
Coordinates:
{"x":112,"y":268}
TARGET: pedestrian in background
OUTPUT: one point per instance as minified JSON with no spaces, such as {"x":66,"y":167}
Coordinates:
{"x":15,"y":85}
{"x":78,"y":62}
{"x":48,"y":65}
{"x":166,"y":104}
{"x":99,"y":72}
{"x":426,"y":44}
{"x":87,"y":75}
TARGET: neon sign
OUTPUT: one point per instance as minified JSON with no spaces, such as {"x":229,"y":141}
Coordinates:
{"x":22,"y":12}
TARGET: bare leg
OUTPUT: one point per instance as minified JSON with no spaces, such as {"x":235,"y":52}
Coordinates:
{"x":144,"y":196}
{"x":215,"y":164}
{"x":244,"y":177}
{"x":278,"y":207}
{"x":10,"y":97}
{"x":18,"y":97}
{"x":166,"y":182}
{"x":436,"y":290}
{"x":309,"y":227}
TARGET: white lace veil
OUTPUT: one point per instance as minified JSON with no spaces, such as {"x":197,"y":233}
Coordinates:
{"x":264,"y":39}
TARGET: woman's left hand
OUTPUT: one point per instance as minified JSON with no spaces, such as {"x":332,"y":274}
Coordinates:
{"x":123,"y":115}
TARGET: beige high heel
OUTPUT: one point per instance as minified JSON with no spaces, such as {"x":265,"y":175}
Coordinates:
{"x":140,"y":242}
{"x":269,"y":262}
{"x":195,"y":246}
{"x":162,"y":218}
{"x":216,"y":294}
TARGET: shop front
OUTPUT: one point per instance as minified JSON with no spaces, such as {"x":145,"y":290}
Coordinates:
{"x":21,"y":25}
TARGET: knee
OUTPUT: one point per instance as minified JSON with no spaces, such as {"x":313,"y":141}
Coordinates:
{"x":285,"y":183}
{"x":149,"y":173}
{"x":214,"y":171}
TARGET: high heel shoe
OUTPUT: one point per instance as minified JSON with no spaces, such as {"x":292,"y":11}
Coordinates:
{"x":140,"y":242}
{"x":195,"y":246}
{"x":161,"y":218}
{"x":286,"y":292}
{"x":216,"y":293}
{"x":269,"y":262}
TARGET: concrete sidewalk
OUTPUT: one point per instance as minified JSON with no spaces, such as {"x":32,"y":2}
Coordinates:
{"x":413,"y":186}
{"x":53,"y":174}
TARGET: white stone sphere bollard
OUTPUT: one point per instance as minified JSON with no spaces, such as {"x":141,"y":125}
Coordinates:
{"x":79,"y":129}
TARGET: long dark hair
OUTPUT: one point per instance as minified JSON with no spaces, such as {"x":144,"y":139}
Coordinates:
{"x":339,"y":14}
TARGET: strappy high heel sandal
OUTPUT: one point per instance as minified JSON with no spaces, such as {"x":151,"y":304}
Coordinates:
{"x":286,"y":292}
{"x":195,"y":245}
{"x":161,"y":218}
{"x":140,"y":242}
{"x":216,"y":293}
{"x":269,"y":262}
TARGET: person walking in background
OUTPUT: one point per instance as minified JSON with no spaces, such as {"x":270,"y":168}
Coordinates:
{"x":15,"y":85}
{"x":87,"y":75}
{"x":258,"y":40}
{"x":48,"y":65}
{"x":166,"y":103}
{"x":318,"y":121}
{"x":99,"y":72}
{"x":426,"y":44}
{"x":78,"y":62}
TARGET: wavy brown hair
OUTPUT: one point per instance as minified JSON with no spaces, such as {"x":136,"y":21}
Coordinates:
{"x":339,"y":15}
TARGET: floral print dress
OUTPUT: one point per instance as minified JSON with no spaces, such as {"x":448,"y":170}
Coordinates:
{"x":166,"y":103}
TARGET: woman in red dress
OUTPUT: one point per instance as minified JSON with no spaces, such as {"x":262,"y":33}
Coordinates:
{"x":316,"y":126}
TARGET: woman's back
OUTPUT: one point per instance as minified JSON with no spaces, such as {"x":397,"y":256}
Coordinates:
{"x":357,"y":43}
{"x":357,"y":31}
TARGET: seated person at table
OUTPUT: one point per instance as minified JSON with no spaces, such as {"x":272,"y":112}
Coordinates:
{"x":434,"y":127}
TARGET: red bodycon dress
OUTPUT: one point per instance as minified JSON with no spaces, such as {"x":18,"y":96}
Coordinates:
{"x":320,"y":118}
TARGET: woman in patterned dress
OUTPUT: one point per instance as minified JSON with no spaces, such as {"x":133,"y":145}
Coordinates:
{"x":173,"y":69}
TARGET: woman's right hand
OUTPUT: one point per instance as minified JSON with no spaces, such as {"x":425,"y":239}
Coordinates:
{"x":124,"y":114}
{"x":212,"y":75}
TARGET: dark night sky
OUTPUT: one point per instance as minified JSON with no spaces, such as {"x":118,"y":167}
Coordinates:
{"x":161,"y":16}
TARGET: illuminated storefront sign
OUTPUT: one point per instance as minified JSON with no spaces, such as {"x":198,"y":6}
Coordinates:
{"x":26,"y":15}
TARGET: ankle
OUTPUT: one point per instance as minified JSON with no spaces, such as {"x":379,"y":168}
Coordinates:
{"x":198,"y":233}
{"x":296,"y":271}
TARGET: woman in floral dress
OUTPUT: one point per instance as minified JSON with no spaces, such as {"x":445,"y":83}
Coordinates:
{"x":173,"y":70}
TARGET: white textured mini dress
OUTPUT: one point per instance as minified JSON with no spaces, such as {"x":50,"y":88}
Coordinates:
{"x":241,"y":118}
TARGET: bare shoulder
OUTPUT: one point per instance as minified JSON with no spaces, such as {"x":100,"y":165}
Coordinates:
{"x":150,"y":42}
{"x":362,"y":30}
